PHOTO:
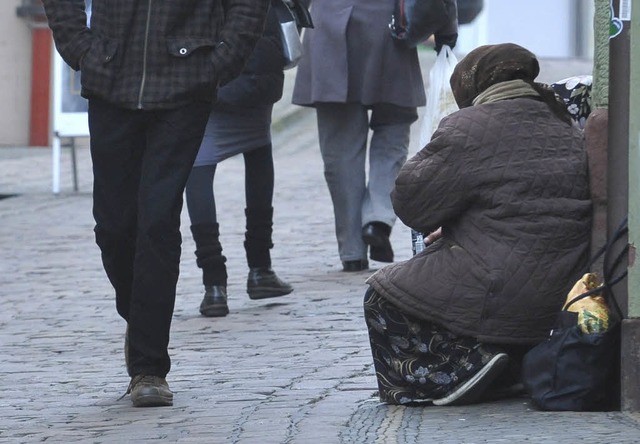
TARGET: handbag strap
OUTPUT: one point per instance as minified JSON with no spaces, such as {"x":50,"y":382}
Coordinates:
{"x":293,"y":10}
{"x":606,"y":289}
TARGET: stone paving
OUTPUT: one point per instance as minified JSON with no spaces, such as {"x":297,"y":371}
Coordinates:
{"x":296,"y":369}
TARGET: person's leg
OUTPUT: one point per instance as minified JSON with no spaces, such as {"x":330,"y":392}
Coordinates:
{"x":117,"y":144}
{"x":418,"y":361}
{"x":259,"y":177}
{"x":201,"y":203}
{"x":206,"y":235}
{"x":172,"y":141}
{"x":141,"y":163}
{"x":258,"y":185}
{"x":343,"y":131}
{"x":262,"y":282}
{"x":390,"y":125}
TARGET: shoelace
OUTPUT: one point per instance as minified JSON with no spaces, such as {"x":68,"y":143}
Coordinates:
{"x":133,"y":382}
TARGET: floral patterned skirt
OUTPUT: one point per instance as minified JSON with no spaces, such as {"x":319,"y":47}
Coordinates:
{"x":575,"y":92}
{"x":416,"y":360}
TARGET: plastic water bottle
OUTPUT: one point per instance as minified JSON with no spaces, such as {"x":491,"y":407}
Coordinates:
{"x":417,"y":241}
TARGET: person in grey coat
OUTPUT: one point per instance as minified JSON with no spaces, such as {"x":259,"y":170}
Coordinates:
{"x":506,"y":179}
{"x":150,"y":71}
{"x":363,"y":83}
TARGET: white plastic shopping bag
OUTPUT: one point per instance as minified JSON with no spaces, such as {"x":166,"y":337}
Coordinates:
{"x":440,"y":100}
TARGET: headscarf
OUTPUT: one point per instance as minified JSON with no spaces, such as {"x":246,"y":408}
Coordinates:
{"x":489,"y":65}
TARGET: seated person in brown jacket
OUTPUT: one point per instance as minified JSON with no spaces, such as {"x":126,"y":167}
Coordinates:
{"x":506,"y":179}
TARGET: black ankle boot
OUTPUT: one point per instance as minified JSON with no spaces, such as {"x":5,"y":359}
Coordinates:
{"x":214,"y":271}
{"x":214,"y":303}
{"x":376,"y":235}
{"x":263,"y":283}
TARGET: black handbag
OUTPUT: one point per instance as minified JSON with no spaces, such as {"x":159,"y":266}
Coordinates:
{"x":468,"y":10}
{"x":572,"y":370}
{"x":414,"y":21}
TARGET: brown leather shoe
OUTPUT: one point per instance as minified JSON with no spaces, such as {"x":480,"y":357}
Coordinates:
{"x":150,"y":391}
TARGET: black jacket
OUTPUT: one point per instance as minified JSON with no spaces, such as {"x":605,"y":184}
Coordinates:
{"x":262,"y":80}
{"x":155,"y":54}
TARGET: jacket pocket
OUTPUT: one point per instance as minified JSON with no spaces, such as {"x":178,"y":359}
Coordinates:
{"x":479,"y":277}
{"x":97,"y":67}
{"x":191,"y":60}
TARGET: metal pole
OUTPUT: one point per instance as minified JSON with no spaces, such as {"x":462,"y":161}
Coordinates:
{"x":630,"y":346}
{"x":618,"y":156}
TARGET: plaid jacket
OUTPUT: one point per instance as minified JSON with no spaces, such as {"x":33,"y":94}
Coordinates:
{"x":156,"y":54}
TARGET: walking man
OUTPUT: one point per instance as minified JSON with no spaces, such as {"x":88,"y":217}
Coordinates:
{"x":150,"y":71}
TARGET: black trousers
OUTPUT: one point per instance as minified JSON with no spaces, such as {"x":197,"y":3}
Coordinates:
{"x":258,"y":186}
{"x":141,"y":162}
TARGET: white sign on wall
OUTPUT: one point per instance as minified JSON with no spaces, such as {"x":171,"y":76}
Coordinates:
{"x":69,"y":108}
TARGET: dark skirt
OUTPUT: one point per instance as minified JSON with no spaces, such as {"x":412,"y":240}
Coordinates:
{"x":416,"y":360}
{"x":234,"y":130}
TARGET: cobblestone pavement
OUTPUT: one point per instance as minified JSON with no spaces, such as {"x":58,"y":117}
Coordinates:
{"x":296,"y":369}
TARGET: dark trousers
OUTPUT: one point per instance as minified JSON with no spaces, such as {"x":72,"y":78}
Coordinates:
{"x":141,"y":162}
{"x":258,"y":186}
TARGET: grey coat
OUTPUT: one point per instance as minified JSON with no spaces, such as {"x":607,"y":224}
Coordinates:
{"x":350,"y":57}
{"x":508,"y":183}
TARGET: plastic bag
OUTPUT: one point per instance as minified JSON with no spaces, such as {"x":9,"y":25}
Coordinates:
{"x":593,"y":312}
{"x":440,"y":100}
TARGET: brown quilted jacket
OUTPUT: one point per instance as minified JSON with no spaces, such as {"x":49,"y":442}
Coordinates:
{"x":154,"y":54}
{"x":508,"y":183}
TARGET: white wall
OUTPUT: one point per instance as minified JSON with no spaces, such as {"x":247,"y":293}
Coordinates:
{"x":547,"y":28}
{"x":15,"y":76}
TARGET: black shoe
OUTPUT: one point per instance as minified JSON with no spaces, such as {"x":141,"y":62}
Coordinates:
{"x":263,"y":283}
{"x":214,"y":304}
{"x":150,"y":391}
{"x":472,"y":389}
{"x":357,"y":265}
{"x":376,"y":235}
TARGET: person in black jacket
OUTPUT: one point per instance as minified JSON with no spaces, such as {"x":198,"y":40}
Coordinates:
{"x":240,"y":122}
{"x":150,"y":71}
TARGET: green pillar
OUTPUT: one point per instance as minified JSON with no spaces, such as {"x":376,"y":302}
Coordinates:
{"x":600,"y":88}
{"x":597,"y":126}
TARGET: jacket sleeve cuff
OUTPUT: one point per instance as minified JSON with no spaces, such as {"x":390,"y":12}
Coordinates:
{"x":74,"y":50}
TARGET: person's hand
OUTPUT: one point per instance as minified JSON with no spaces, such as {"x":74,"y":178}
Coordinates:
{"x":450,"y":40}
{"x":433,"y":236}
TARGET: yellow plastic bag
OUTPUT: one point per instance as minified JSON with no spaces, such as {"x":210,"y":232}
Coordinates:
{"x":593,"y":313}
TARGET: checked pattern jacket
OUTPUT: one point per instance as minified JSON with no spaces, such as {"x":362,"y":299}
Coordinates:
{"x":156,"y":54}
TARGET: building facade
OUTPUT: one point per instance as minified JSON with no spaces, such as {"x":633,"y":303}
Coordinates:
{"x":16,"y":40}
{"x":549,"y":28}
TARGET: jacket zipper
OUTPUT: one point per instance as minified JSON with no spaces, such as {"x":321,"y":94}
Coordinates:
{"x":144,"y":56}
